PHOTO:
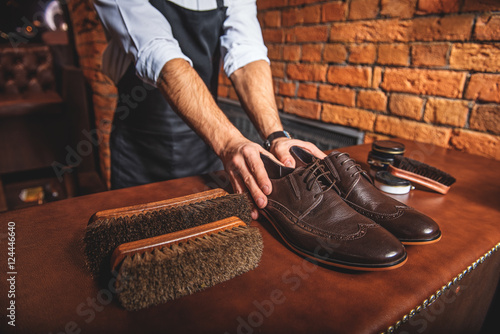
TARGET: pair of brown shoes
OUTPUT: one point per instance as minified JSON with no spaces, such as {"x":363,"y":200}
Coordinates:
{"x":329,"y":211}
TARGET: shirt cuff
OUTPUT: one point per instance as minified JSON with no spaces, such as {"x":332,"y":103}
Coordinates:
{"x":241,"y":56}
{"x":153,"y":57}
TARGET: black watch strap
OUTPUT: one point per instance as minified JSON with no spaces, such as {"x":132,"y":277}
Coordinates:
{"x":273,"y":136}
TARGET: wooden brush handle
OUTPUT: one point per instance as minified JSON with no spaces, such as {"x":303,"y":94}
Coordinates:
{"x":165,"y":204}
{"x":419,"y":179}
{"x":166,"y":240}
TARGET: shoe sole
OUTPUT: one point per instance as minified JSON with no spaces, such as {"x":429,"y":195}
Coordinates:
{"x":423,"y":242}
{"x":359,"y":267}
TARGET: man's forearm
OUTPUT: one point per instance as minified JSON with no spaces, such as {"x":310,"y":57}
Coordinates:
{"x":190,"y":98}
{"x":254,"y":86}
{"x":188,"y":95}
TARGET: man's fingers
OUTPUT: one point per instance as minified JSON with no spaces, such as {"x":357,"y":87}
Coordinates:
{"x":240,"y":188}
{"x":313,"y":149}
{"x":236,"y":182}
{"x":255,"y":213}
{"x":258,"y":171}
{"x":247,"y":172}
{"x":258,"y":196}
{"x":282,"y":150}
{"x":286,"y":158}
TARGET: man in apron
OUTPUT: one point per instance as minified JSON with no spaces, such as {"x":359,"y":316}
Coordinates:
{"x":164,"y":57}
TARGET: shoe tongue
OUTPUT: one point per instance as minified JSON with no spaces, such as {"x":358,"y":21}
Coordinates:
{"x":332,"y":163}
{"x":339,"y":159}
{"x":326,"y":180}
{"x":342,"y":162}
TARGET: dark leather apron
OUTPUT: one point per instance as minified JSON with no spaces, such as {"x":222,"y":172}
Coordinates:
{"x":149,"y":141}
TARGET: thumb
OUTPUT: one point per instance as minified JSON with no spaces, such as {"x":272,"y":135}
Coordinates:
{"x":281,"y":151}
{"x":287,"y":160}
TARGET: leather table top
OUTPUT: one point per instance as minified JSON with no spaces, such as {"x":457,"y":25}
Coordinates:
{"x":54,"y":293}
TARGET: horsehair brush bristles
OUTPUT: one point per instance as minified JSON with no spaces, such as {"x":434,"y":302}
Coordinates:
{"x":158,"y":276}
{"x":104,"y":234}
{"x":422,"y":174}
{"x":425,"y":170}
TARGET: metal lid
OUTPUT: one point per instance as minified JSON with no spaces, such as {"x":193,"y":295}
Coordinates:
{"x":380,"y":158}
{"x":388,"y":147}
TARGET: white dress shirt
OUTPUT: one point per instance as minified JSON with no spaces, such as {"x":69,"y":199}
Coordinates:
{"x":138,"y":32}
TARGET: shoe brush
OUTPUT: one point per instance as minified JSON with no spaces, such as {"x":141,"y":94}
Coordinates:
{"x":159,"y":269}
{"x":108,"y":229}
{"x":422,"y":174}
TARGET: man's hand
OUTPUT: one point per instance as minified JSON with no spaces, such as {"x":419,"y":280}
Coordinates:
{"x":194,"y":103}
{"x":254,"y":86}
{"x":281,"y":149}
{"x":246,"y":171}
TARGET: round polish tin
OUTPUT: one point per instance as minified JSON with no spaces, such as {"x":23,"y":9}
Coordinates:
{"x":382,"y":154}
{"x":388,"y":183}
{"x":388,"y":148}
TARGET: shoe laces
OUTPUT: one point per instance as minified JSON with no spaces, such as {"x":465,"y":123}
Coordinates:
{"x":316,"y":173}
{"x":352,"y":164}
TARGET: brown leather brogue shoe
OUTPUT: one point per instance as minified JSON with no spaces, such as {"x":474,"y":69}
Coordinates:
{"x":356,"y":188}
{"x":315,"y":222}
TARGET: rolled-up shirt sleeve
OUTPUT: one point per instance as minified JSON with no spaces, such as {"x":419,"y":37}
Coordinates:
{"x":242,"y":42}
{"x":144,"y":35}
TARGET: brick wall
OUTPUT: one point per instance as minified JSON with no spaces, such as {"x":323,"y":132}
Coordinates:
{"x":423,"y":70}
{"x":90,"y":43}
{"x":426,"y":70}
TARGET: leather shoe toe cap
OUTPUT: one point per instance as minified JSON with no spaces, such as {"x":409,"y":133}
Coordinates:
{"x":414,"y":227}
{"x":377,"y":249}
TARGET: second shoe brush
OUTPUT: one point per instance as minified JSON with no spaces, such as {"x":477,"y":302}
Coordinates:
{"x":165,"y":250}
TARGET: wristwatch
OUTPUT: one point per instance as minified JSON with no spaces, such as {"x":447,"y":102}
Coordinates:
{"x":273,"y":136}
